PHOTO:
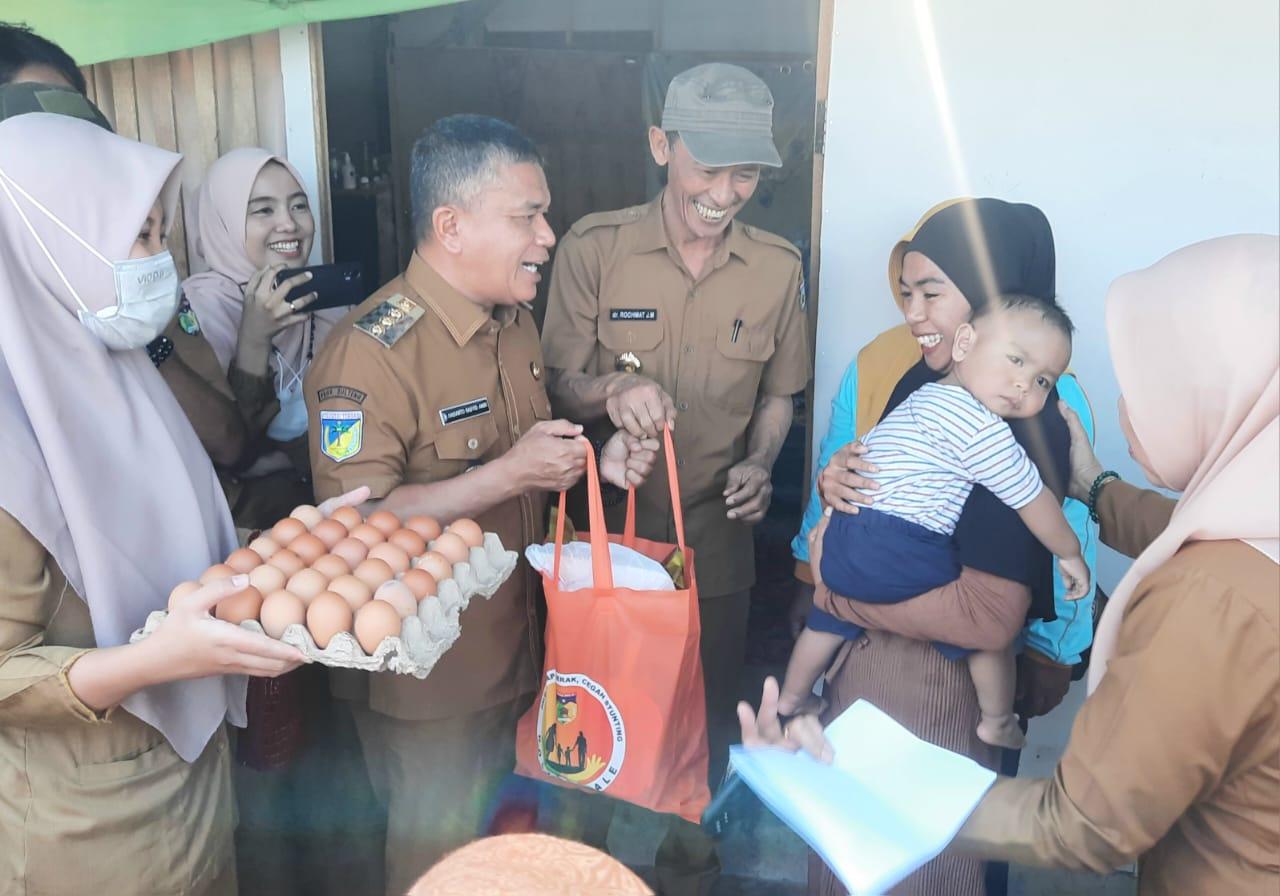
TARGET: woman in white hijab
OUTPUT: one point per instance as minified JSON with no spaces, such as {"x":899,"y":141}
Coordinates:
{"x":114,"y":755}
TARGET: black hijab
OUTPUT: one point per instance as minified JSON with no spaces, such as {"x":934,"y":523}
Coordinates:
{"x":987,"y":247}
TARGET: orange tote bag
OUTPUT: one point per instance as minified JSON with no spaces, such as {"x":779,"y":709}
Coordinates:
{"x":621,"y":711}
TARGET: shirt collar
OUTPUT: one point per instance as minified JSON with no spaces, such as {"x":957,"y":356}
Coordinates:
{"x":462,"y":317}
{"x":653,"y":236}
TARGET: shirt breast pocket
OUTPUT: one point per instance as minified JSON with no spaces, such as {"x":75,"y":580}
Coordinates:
{"x":465,"y":444}
{"x":640,"y":338}
{"x":737,"y":365}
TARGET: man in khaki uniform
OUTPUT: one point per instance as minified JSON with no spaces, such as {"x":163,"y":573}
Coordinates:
{"x":673,"y":312}
{"x":431,"y":392}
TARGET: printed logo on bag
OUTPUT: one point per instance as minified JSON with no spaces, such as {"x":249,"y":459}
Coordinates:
{"x":582,"y":739}
{"x":633,"y":314}
{"x":341,"y":434}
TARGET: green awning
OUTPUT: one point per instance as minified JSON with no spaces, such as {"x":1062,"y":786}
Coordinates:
{"x":101,"y":30}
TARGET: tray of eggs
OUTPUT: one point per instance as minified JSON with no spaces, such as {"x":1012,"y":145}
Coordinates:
{"x":375,"y":594}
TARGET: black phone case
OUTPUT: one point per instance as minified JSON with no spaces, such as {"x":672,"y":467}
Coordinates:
{"x":335,"y":285}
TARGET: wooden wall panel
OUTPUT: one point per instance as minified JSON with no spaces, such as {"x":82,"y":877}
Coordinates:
{"x":201,"y":102}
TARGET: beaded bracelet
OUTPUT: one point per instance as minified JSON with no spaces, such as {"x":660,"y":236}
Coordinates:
{"x":1094,"y":490}
{"x":159,"y":350}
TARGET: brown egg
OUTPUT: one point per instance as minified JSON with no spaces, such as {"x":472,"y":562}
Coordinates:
{"x":468,"y":530}
{"x":399,"y":596}
{"x":420,"y":582}
{"x":267,"y":578}
{"x":368,"y":535}
{"x":407,"y":540}
{"x":281,"y":610}
{"x":437,"y":565}
{"x":244,"y":560}
{"x":393,"y":556}
{"x":426,"y":527}
{"x":181,"y":590}
{"x":264,"y":547}
{"x":355,"y":592}
{"x":374,"y":623}
{"x":306,"y":514}
{"x":452,"y":547}
{"x":308,"y":547}
{"x":373,"y":572}
{"x":330,"y":532}
{"x":307,"y":583}
{"x":384,"y":521}
{"x":216,"y":572}
{"x":353,"y":550}
{"x":287,"y":561}
{"x":348,"y":516}
{"x":236,"y":608}
{"x":327,"y":615}
{"x":332,"y":566}
{"x":287,"y":530}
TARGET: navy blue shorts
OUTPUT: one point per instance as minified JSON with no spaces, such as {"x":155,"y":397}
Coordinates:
{"x":879,"y":558}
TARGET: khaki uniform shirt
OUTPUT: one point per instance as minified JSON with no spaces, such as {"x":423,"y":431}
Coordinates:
{"x":231,"y":411}
{"x":417,"y":385}
{"x":89,"y":802}
{"x":714,"y":344}
{"x":1176,"y":756}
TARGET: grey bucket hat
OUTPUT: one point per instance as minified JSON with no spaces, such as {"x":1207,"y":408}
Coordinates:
{"x":724,"y":115}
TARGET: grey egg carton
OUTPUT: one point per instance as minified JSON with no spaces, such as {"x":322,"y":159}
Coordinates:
{"x":423,"y":639}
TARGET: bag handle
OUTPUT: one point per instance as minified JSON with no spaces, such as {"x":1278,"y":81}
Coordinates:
{"x":601,"y":568}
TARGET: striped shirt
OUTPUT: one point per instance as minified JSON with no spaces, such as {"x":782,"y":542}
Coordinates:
{"x":934,"y":446}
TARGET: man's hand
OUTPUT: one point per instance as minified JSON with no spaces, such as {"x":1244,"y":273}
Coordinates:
{"x":841,"y":485}
{"x":639,"y":406}
{"x":627,"y":461}
{"x":551,"y":456}
{"x":1042,"y":684}
{"x":748,"y":491}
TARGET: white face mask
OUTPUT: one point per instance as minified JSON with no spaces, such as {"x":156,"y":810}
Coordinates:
{"x":291,"y":422}
{"x":147,"y":289}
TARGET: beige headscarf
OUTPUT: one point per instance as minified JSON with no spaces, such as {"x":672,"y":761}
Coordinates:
{"x":528,"y":865}
{"x":1195,"y":342}
{"x":100,"y":463}
{"x":217,"y":295}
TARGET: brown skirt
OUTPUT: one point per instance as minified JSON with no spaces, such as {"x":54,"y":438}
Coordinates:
{"x":933,"y":698}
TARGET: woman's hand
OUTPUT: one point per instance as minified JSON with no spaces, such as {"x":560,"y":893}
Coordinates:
{"x":840,"y":484}
{"x":266,"y":313}
{"x":1085,"y":466}
{"x":763,"y":729}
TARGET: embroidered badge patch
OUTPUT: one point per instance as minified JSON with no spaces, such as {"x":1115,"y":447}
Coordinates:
{"x":476,"y":407}
{"x":341,"y":434}
{"x":390,"y":320}
{"x":633,"y":314}
{"x":346,"y":392}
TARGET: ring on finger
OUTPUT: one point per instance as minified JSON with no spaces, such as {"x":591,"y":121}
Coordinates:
{"x":292,"y":307}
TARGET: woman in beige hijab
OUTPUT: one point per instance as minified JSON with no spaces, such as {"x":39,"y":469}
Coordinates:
{"x":1174,"y":759}
{"x":528,"y":865}
{"x":114,"y":755}
{"x":237,"y":351}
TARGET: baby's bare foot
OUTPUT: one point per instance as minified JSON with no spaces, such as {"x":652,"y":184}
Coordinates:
{"x":1002,"y":731}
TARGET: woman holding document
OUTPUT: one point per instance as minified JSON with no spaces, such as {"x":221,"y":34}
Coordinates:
{"x":1174,"y":760}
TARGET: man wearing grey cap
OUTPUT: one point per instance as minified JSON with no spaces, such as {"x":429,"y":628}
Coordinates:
{"x":674,"y":313}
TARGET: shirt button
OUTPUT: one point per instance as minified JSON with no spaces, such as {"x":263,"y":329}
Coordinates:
{"x":688,"y":349}
{"x":684,"y":405}
{"x":473,"y":444}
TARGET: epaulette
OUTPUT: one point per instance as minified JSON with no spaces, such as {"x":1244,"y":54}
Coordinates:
{"x":608,"y":219}
{"x":770,"y":239}
{"x":390,"y":319}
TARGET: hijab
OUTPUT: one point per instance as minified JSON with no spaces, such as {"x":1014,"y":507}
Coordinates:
{"x":528,"y":865}
{"x":217,"y":295}
{"x":1195,"y":342}
{"x":101,"y":465}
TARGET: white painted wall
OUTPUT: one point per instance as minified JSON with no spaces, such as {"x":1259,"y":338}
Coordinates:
{"x":1138,"y":127}
{"x":300,"y":120}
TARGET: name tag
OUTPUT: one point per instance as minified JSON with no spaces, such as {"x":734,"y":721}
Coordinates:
{"x":633,"y":314}
{"x":476,"y":407}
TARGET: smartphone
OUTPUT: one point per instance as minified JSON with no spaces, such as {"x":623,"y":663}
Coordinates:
{"x":732,"y":802}
{"x":335,"y":285}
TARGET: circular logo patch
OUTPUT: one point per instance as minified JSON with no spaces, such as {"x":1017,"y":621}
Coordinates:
{"x":581,"y":735}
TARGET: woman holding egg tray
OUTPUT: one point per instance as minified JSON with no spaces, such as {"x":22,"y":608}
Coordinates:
{"x":114,"y":750}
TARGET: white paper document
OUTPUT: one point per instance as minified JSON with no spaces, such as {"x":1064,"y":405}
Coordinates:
{"x":887,"y":804}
